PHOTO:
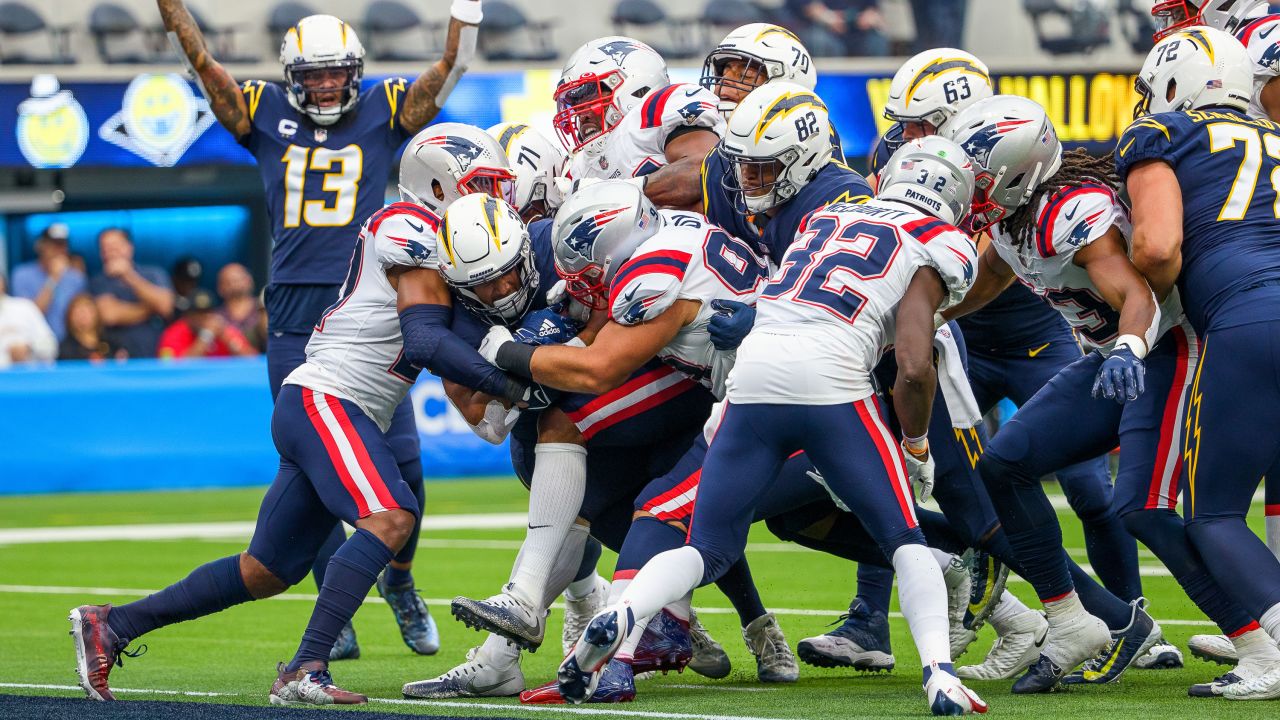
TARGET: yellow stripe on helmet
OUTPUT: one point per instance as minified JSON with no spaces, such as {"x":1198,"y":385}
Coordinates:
{"x":942,"y":66}
{"x":491,"y":219}
{"x":784,"y":105}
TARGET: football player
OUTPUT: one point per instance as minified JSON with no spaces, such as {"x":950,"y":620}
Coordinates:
{"x":823,"y":405}
{"x":325,"y":149}
{"x":1058,"y":226}
{"x":537,"y":162}
{"x":1217,"y":245}
{"x":337,"y":462}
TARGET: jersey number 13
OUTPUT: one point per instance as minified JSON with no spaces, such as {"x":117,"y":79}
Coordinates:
{"x":340,"y":183}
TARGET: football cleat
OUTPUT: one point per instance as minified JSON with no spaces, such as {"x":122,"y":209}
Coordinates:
{"x":1214,"y":648}
{"x":1266,"y":686}
{"x":310,"y":684}
{"x":1215,"y":687}
{"x":774,"y":661}
{"x":98,"y":649}
{"x":577,"y":613}
{"x":617,"y":685}
{"x":1161,"y":656}
{"x":417,"y":627}
{"x":664,"y":646}
{"x":503,"y":614}
{"x":948,"y":696}
{"x":472,"y":679}
{"x":860,"y":642}
{"x":1016,"y":648}
{"x":1127,"y":644}
{"x":1073,"y":639}
{"x":987,"y":579}
{"x":709,"y":658}
{"x":956,"y":576}
{"x":580,"y":672}
{"x":345,"y":647}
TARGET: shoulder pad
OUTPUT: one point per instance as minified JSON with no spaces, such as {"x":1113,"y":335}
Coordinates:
{"x":955,"y":256}
{"x":680,"y":105}
{"x":647,"y":284}
{"x":1259,"y":38}
{"x":1074,"y":217}
{"x":404,"y":234}
{"x":1147,"y":138}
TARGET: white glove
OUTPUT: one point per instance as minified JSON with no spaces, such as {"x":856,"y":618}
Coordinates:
{"x":920,"y":473}
{"x":468,"y":11}
{"x":496,"y":338}
{"x":497,"y":422}
{"x":573,"y":309}
{"x":817,"y":477}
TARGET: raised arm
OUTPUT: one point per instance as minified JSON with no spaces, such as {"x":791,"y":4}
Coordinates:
{"x":427,"y":94}
{"x":225,"y":99}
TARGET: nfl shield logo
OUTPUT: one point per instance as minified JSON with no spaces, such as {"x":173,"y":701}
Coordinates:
{"x":321,"y":135}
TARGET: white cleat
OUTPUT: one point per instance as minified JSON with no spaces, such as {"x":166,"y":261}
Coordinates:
{"x":1018,"y":645}
{"x":1214,"y":648}
{"x":956,"y":576}
{"x":948,"y":696}
{"x":1073,"y":638}
{"x":1161,"y":656}
{"x":577,"y":613}
{"x":472,"y":679}
{"x":503,"y":614}
{"x":774,"y":661}
{"x":1266,"y":686}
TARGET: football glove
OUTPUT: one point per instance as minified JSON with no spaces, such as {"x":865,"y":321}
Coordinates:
{"x":730,"y":323}
{"x":558,"y":298}
{"x":920,"y":471}
{"x":1122,"y":377}
{"x":494,"y":339}
{"x":545,"y":327}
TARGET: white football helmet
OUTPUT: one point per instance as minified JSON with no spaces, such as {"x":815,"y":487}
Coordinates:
{"x":600,"y":83}
{"x":537,"y":162}
{"x":1194,"y":68}
{"x":1014,"y":148}
{"x":483,"y":239}
{"x":777,"y":139}
{"x":931,"y":174}
{"x":934,"y":85}
{"x":445,"y":161}
{"x":1227,"y":15}
{"x":596,"y":230}
{"x":751,"y":56}
{"x":313,"y":49}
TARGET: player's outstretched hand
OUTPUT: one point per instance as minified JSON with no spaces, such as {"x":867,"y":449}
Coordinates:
{"x":546,"y":327}
{"x":919,"y":471}
{"x":496,"y":338}
{"x":730,"y":324}
{"x":1122,"y":377}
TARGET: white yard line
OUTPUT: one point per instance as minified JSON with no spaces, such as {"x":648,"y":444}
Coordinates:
{"x":188,"y":693}
{"x":99,"y":592}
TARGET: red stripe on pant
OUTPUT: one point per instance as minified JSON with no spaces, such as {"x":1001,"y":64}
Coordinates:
{"x":1168,"y":428}
{"x":680,"y":488}
{"x":890,"y":456}
{"x":379,"y":486}
{"x":618,"y":393}
{"x":642,"y":406}
{"x":331,"y":447}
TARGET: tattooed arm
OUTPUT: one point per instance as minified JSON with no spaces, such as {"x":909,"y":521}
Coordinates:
{"x":225,"y":99}
{"x":427,"y":94}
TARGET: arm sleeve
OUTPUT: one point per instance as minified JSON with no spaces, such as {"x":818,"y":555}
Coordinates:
{"x":429,"y":344}
{"x":1148,"y":138}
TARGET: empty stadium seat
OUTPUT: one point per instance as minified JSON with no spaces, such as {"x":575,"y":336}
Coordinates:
{"x":395,"y":32}
{"x":221,"y":38}
{"x":1088,"y":25}
{"x":284,"y":16}
{"x":648,"y":15}
{"x":20,"y":23}
{"x":500,"y":35}
{"x":119,"y":37}
{"x":721,"y":16}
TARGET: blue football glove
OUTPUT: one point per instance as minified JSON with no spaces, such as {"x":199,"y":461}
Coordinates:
{"x":545,"y":327}
{"x":1122,"y":377}
{"x":730,"y":324}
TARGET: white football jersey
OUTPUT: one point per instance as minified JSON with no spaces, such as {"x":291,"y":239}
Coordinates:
{"x":1066,"y":221}
{"x":356,"y":351}
{"x":1262,"y":41}
{"x":638,"y":145}
{"x":689,"y":258}
{"x":829,"y":311}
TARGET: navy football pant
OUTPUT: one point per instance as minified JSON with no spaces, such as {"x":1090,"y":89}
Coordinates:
{"x":1033,"y":444}
{"x":1019,"y":375}
{"x":849,"y":445}
{"x":1232,"y":411}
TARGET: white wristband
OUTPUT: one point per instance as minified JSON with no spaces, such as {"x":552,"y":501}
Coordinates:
{"x":467,"y":11}
{"x":1136,"y":345}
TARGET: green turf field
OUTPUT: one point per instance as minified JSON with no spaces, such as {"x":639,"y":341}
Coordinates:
{"x":234,"y":653}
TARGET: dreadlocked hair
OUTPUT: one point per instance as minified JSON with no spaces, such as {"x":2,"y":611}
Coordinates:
{"x":1078,"y":168}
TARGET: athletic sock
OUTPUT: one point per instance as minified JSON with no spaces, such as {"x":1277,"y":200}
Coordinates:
{"x":584,"y":581}
{"x":923,"y":597}
{"x":1006,"y":611}
{"x":210,"y":588}
{"x":1270,"y":621}
{"x":352,"y":572}
{"x":555,"y":498}
{"x":738,"y":586}
{"x":666,"y":578}
{"x":1272,"y":521}
{"x":331,"y":544}
{"x":395,"y":577}
{"x":875,"y":586}
{"x":411,"y":471}
{"x":497,"y":651}
{"x":1256,"y":644}
{"x":565,"y":567}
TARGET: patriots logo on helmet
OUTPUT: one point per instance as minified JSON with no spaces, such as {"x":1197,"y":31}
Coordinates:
{"x":462,"y":149}
{"x":619,"y":49}
{"x":415,"y":249}
{"x":584,"y":234}
{"x":693,"y":111}
{"x":980,"y":144}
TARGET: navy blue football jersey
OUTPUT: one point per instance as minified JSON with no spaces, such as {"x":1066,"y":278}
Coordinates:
{"x":468,"y":326}
{"x":321,"y":182}
{"x":1224,"y":161}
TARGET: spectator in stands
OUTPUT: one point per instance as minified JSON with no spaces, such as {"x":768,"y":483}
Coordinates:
{"x":939,"y":23}
{"x":201,"y":332}
{"x":133,"y":300}
{"x":51,"y":280}
{"x":25,"y":337}
{"x":85,"y":339}
{"x":186,"y":276}
{"x":241,"y":306}
{"x":832,"y":28}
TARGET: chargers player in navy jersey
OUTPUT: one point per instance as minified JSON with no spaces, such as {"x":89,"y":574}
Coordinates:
{"x":1217,"y":245}
{"x":324,"y":150}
